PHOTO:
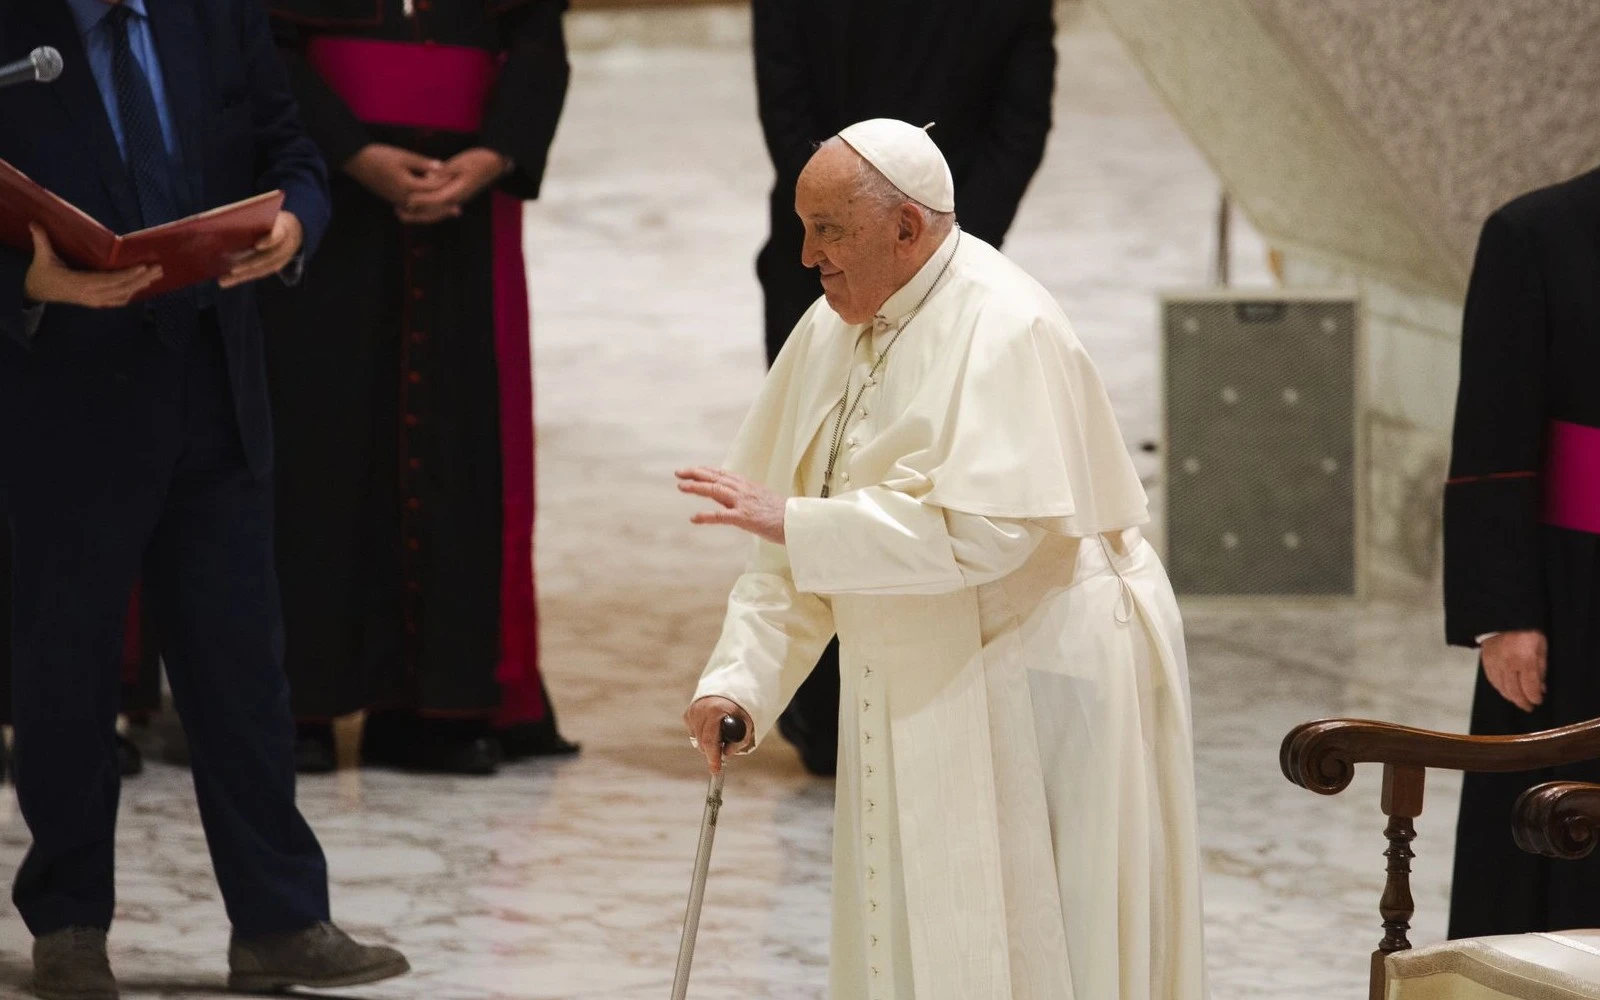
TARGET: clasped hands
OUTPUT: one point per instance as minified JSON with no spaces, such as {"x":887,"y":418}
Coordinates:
{"x":421,"y":189}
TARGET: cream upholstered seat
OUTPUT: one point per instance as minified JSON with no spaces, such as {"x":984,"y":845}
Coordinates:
{"x":1561,"y":966}
{"x":1556,"y":819}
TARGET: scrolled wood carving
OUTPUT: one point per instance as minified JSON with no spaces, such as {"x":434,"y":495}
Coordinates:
{"x":1558,"y":819}
{"x":1321,"y":756}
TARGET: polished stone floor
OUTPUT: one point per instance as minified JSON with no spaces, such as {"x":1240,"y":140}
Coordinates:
{"x":566,"y":880}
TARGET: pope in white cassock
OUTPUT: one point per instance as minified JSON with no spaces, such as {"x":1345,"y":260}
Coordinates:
{"x":934,"y":472}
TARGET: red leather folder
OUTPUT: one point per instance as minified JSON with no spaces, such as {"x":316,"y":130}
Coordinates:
{"x":189,"y":251}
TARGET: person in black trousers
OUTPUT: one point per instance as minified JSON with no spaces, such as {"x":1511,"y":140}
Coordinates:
{"x":139,"y":669}
{"x":135,"y":444}
{"x":1522,"y":568}
{"x":982,"y":72}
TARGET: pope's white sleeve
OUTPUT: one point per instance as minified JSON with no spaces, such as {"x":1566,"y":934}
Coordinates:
{"x":880,"y":541}
{"x":771,"y":639}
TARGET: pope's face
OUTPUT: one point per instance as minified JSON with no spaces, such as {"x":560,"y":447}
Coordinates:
{"x":858,"y":244}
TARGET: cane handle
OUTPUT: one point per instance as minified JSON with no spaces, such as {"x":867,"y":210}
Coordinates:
{"x":733,"y":730}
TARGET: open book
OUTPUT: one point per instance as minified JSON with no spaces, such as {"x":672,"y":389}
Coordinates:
{"x":189,"y":251}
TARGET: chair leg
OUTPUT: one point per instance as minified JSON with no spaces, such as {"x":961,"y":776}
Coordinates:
{"x":1402,"y":803}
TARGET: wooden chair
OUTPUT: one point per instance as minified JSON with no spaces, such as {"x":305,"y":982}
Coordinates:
{"x":1555,"y":819}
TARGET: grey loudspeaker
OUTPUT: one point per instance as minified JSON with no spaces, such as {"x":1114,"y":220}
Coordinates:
{"x":1263,"y":456}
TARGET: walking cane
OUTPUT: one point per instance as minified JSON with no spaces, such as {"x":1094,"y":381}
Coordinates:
{"x":732,"y":734}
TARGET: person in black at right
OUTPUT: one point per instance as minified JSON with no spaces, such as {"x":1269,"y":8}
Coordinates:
{"x":1522,"y":515}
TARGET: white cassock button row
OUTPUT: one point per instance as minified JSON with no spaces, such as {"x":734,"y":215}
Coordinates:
{"x":873,"y":763}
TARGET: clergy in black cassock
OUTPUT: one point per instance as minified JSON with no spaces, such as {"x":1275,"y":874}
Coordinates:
{"x":982,"y":70}
{"x":401,"y":380}
{"x":1521,"y":519}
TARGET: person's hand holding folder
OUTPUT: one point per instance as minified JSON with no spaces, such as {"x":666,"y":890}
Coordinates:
{"x":271,"y":254}
{"x":78,"y":260}
{"x":51,"y":280}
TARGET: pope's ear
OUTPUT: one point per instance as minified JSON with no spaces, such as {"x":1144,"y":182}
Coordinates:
{"x":911,"y":225}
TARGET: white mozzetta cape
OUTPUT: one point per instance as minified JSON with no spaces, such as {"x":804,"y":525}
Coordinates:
{"x":1015,"y":810}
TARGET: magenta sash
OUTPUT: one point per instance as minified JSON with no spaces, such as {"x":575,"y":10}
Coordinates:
{"x":411,"y":85}
{"x":447,"y":87}
{"x":1572,"y":477}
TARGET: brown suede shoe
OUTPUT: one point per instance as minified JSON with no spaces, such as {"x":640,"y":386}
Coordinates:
{"x":319,"y":957}
{"x":71,"y":964}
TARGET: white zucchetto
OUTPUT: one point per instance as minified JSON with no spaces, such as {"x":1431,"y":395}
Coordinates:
{"x":907,"y":157}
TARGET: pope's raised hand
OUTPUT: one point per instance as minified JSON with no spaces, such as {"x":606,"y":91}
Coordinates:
{"x":746,"y":505}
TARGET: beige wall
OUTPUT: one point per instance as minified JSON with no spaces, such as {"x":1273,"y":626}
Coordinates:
{"x":1368,"y":139}
{"x":1377,"y":132}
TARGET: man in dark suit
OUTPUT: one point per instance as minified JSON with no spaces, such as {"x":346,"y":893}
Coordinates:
{"x":1521,"y":523}
{"x":135,"y":443}
{"x":983,"y":72}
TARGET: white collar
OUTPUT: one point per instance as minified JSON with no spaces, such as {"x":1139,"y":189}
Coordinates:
{"x":897,"y":306}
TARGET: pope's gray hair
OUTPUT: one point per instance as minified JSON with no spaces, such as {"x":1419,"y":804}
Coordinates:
{"x":872,"y":185}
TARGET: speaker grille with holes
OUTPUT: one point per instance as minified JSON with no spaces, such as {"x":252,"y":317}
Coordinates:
{"x":1262,"y":456}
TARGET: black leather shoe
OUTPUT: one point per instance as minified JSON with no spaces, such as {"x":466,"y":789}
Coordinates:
{"x":71,"y":964}
{"x":129,"y":760}
{"x":320,"y":957}
{"x":479,"y":756}
{"x":313,"y":751}
{"x":438,"y":746}
{"x":535,"y":739}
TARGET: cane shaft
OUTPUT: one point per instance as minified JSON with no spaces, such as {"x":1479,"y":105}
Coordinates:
{"x":697,"y":888}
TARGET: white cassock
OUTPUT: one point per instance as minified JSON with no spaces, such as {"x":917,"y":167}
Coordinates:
{"x":1015,"y":807}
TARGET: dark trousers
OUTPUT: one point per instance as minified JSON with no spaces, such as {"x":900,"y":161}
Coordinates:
{"x":130,"y":464}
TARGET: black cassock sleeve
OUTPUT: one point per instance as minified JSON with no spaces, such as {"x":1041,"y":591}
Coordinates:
{"x":1012,"y":144}
{"x":525,"y":107}
{"x":783,"y":86}
{"x":1493,"y":574}
{"x":324,"y":114}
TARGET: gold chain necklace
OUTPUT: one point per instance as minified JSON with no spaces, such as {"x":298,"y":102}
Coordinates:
{"x":845,"y":408}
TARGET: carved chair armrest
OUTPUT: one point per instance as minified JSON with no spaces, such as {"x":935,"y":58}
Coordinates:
{"x":1558,"y":819}
{"x":1322,"y":756}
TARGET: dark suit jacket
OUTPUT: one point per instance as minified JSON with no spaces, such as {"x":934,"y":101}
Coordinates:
{"x":984,"y":70}
{"x":240,"y":135}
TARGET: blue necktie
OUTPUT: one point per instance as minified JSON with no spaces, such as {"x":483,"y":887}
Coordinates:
{"x":154,"y":178}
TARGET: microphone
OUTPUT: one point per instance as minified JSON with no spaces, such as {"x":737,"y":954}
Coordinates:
{"x":42,"y":66}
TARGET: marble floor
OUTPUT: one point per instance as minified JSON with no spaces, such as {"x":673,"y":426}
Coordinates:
{"x":566,"y":880}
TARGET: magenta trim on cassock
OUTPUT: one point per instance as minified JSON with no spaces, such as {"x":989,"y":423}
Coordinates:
{"x":519,"y":632}
{"x":1572,"y":477}
{"x":442,"y":87}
